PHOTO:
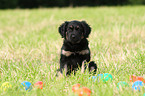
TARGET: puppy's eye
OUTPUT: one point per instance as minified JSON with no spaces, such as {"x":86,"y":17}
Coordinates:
{"x":77,"y":28}
{"x":71,"y":27}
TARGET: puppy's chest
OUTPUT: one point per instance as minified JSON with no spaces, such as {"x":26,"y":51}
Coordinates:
{"x":75,"y":53}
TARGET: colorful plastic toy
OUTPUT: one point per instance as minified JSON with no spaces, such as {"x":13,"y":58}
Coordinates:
{"x":106,"y":77}
{"x":5,"y":86}
{"x":136,"y":85}
{"x":134,"y":78}
{"x":39,"y":85}
{"x":122,"y":84}
{"x":84,"y":91}
{"x":75,"y":87}
{"x":94,"y":78}
{"x":27,"y":85}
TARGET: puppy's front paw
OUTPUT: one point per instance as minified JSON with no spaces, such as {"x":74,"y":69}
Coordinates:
{"x":92,"y":67}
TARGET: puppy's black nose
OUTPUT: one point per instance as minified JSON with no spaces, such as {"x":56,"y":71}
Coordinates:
{"x":73,"y":36}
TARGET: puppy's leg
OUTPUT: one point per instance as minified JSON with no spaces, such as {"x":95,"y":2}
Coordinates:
{"x":63,"y":70}
{"x":83,"y":68}
{"x":92,"y":67}
{"x":57,"y":72}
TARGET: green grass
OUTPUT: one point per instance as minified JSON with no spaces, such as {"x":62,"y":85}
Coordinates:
{"x":30,"y":48}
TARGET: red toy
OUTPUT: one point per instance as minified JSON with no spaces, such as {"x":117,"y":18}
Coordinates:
{"x":134,"y":78}
{"x":39,"y":84}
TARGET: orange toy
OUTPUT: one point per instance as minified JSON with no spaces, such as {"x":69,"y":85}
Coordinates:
{"x":75,"y":87}
{"x":134,"y":78}
{"x":84,"y":91}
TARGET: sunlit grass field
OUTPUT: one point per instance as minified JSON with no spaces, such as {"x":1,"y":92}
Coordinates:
{"x":30,"y":49}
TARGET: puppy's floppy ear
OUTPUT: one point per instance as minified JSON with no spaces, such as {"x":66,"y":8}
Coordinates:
{"x":87,"y":29}
{"x":62,"y":29}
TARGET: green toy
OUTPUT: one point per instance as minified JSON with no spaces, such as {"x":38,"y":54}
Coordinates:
{"x":106,"y":77}
{"x":122,"y":84}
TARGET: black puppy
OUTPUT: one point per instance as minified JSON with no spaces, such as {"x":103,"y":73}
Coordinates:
{"x":75,"y":52}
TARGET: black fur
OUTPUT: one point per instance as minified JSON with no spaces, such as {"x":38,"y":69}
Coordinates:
{"x":75,"y":48}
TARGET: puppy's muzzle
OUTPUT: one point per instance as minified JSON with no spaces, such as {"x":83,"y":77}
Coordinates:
{"x":73,"y":36}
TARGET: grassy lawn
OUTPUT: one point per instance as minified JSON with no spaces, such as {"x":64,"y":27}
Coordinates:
{"x":30,"y":49}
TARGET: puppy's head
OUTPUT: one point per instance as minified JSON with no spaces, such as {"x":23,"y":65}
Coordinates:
{"x":74,"y":31}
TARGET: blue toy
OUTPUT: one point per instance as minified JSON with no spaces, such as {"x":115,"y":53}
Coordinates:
{"x":27,"y":85}
{"x":104,"y":77}
{"x":94,"y":78}
{"x":100,"y":75}
{"x":136,"y":85}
